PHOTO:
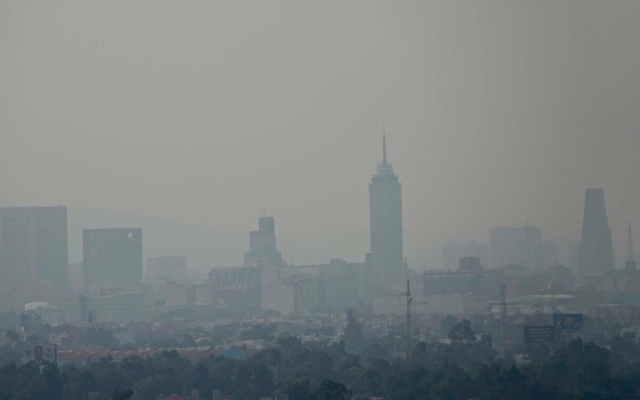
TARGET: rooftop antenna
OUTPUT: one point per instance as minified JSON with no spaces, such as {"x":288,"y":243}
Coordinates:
{"x":384,"y":146}
{"x":630,"y":255}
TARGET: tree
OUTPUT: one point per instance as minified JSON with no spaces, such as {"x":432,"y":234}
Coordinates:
{"x":262,"y":381}
{"x":462,"y":332}
{"x":12,"y":336}
{"x":448,"y":322}
{"x":259,"y":332}
{"x":330,"y":390}
{"x":353,"y":336}
{"x":299,"y":390}
{"x":124,"y":395}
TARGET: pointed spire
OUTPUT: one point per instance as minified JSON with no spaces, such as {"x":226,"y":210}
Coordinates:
{"x":384,"y":146}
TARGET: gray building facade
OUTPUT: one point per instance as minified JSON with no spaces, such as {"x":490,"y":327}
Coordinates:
{"x":263,"y":250}
{"x":596,"y":247}
{"x":112,"y":257}
{"x":33,"y":255}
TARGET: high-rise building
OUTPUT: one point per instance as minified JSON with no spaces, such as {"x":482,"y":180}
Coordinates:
{"x":516,"y":246}
{"x":385,"y":220}
{"x":596,"y":248}
{"x":112,"y":257}
{"x":263,"y":251}
{"x":33,"y":255}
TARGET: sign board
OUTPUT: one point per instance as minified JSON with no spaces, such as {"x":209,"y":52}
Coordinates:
{"x":539,"y":334}
{"x":39,"y":354}
{"x":567,"y":322}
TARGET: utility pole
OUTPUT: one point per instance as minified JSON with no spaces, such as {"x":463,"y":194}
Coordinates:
{"x":503,"y":313}
{"x":409,"y":299}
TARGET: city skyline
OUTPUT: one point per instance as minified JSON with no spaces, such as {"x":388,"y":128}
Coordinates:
{"x":512,"y":120}
{"x":331,"y":200}
{"x":161,"y":231}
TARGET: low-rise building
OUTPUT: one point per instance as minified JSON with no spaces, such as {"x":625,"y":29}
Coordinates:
{"x":106,"y":305}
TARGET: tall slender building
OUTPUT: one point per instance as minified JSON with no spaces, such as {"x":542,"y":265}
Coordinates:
{"x":596,"y":248}
{"x":33,"y":255}
{"x":385,"y":220}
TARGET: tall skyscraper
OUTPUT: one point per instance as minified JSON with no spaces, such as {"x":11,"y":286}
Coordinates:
{"x":385,"y":220}
{"x":596,"y":247}
{"x":263,"y":251}
{"x":112,"y":257}
{"x":33,"y":255}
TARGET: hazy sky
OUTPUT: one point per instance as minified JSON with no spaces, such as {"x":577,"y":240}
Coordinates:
{"x":496,"y":112}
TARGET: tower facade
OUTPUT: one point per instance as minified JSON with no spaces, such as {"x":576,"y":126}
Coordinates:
{"x":263,"y":250}
{"x":596,"y":248}
{"x":112,"y":257}
{"x":385,"y":220}
{"x":33,"y":255}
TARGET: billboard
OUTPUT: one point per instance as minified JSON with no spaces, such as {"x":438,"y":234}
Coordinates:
{"x":39,"y":354}
{"x":567,"y":322}
{"x":539,"y":334}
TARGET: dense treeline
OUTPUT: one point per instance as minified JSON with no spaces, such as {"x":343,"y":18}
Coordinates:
{"x":466,"y":368}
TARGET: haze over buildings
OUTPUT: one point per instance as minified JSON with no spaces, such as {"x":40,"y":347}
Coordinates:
{"x":499,"y":113}
{"x":183,"y":120}
{"x":516,"y":246}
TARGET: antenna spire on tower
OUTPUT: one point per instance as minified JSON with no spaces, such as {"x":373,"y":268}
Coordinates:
{"x":384,"y":146}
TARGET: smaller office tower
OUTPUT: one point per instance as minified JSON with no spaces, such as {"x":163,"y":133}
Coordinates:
{"x":596,"y":248}
{"x":33,"y":255}
{"x":112,"y":257}
{"x":263,"y":251}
